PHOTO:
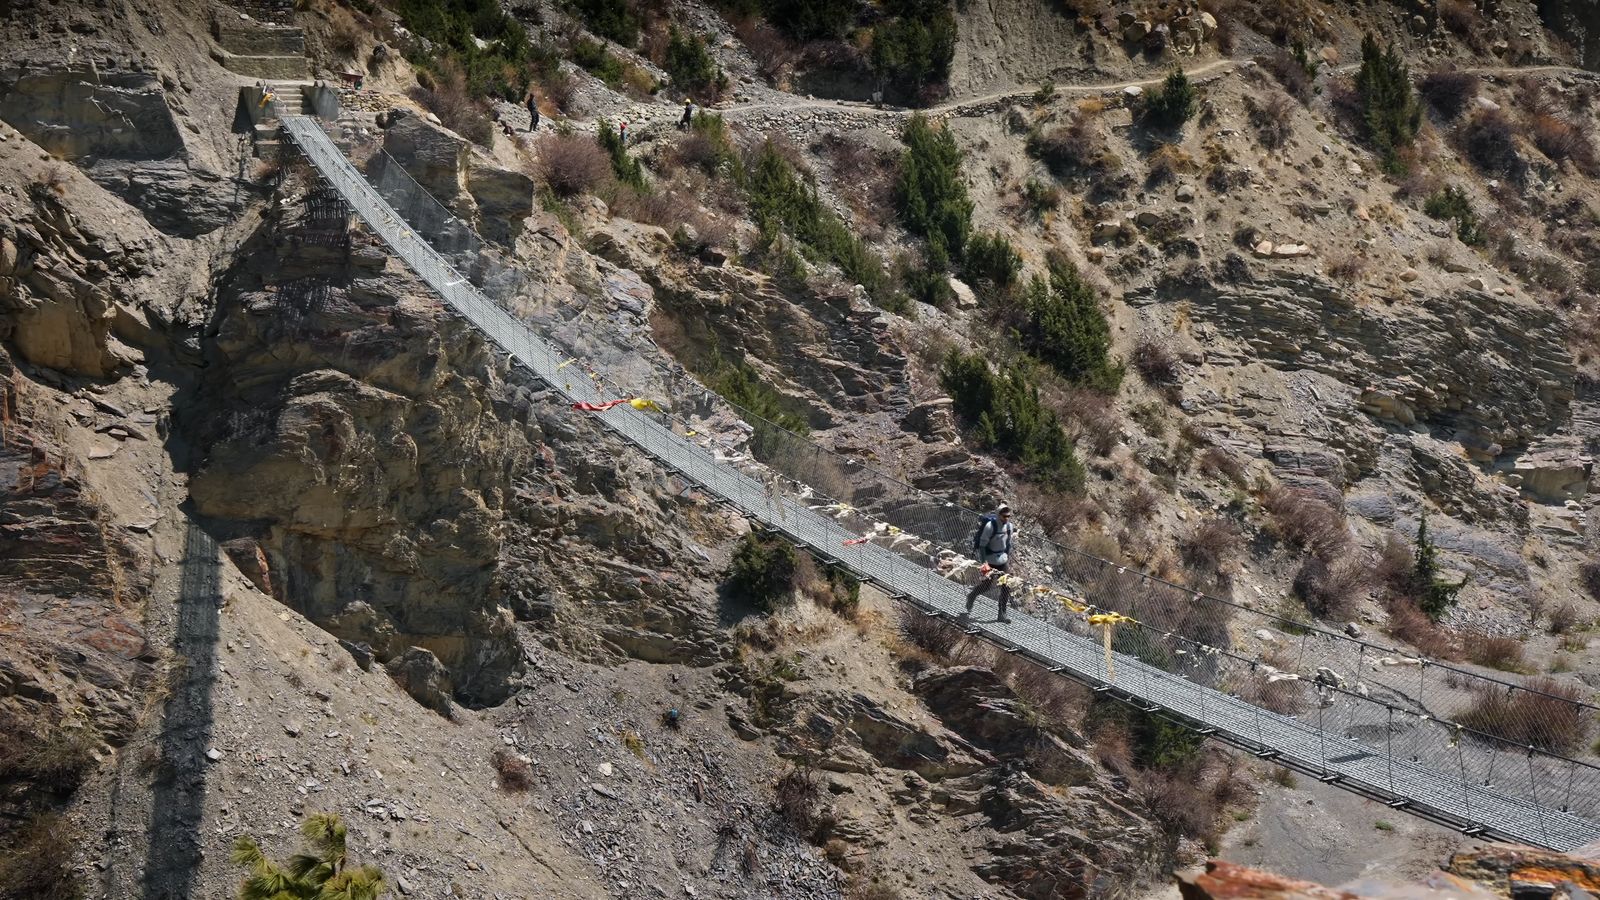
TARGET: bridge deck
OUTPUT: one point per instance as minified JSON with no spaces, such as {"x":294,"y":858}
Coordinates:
{"x":1405,"y":783}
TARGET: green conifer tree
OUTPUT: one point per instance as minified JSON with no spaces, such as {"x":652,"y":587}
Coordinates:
{"x":1390,"y":113}
{"x":1434,"y":596}
{"x":1068,"y":330}
{"x":933,"y":198}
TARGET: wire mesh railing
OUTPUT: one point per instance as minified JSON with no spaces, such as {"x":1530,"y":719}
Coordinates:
{"x":1351,"y":711}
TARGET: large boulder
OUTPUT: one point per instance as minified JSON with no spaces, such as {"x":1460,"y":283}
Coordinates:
{"x":504,"y":199}
{"x":420,"y":674}
{"x":436,"y":158}
{"x":1555,"y":470}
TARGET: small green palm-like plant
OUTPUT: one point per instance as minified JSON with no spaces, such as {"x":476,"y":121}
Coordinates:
{"x":321,"y":874}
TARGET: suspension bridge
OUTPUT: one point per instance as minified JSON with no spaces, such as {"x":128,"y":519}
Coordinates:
{"x":1491,"y":757}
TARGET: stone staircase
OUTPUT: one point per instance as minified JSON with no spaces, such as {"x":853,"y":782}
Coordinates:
{"x":257,"y":47}
{"x":288,"y":99}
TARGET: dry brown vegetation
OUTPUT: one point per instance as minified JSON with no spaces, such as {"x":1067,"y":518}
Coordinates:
{"x":1496,"y":652}
{"x":1543,"y":716}
{"x":1074,"y":147}
{"x":37,"y":864}
{"x":1299,"y":518}
{"x":1296,"y":81}
{"x":1449,"y":91}
{"x":515,"y":774}
{"x":1412,"y":625}
{"x":796,"y":796}
{"x":1333,"y":589}
{"x":1347,"y":267}
{"x":1589,"y":577}
{"x":1270,"y":118}
{"x":1155,"y":360}
{"x":447,"y":96}
{"x":1167,"y":161}
{"x":1211,"y":546}
{"x":572,"y":164}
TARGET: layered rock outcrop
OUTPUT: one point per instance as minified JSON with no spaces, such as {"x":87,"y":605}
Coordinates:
{"x":72,"y":587}
{"x":1493,"y":368}
{"x":121,"y":127}
{"x":63,"y":287}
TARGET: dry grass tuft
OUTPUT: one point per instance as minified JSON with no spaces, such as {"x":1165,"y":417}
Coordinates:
{"x":1211,"y":547}
{"x":1503,"y":653}
{"x":1543,"y":716}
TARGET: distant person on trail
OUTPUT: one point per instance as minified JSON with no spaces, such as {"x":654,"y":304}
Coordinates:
{"x":688,"y":115}
{"x":992,"y":546}
{"x":533,"y":113}
{"x":622,"y":134}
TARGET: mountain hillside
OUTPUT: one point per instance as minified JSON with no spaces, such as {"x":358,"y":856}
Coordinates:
{"x":1292,"y":304}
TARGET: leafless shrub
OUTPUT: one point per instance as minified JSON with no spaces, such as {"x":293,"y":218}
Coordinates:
{"x":1270,"y":118}
{"x":1057,"y":701}
{"x":558,"y":89}
{"x":1211,"y":545}
{"x":664,"y":208}
{"x":1347,"y":267}
{"x":1305,"y":521}
{"x":572,"y":164}
{"x":1217,"y":461}
{"x":1545,"y":715}
{"x":1411,"y":625}
{"x":1393,"y":568}
{"x":772,"y":51}
{"x":344,"y":37}
{"x":1589,"y":577}
{"x":932,"y":634}
{"x":514,"y":772}
{"x":1496,"y":652}
{"x":1073,"y":147}
{"x":1140,"y":505}
{"x":1490,"y":142}
{"x":1560,"y":140}
{"x":1291,"y":74}
{"x":696,"y":150}
{"x":1334,"y":589}
{"x":1093,"y":419}
{"x":447,"y":96}
{"x":1461,"y":18}
{"x":796,"y":797}
{"x":1563,"y":618}
{"x":1155,"y":360}
{"x":1449,"y":91}
{"x":1181,"y":803}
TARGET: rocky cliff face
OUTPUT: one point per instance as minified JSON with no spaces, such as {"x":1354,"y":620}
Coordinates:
{"x":1494,"y":371}
{"x":379,"y":442}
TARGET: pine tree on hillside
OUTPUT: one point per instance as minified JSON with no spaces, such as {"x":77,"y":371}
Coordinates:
{"x":1068,"y":330}
{"x":1434,"y":596}
{"x":1390,"y":113}
{"x":933,"y":198}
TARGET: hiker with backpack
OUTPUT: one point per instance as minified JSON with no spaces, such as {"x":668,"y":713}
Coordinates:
{"x":991,"y":546}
